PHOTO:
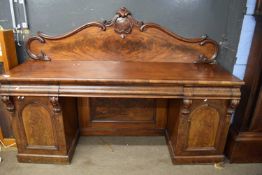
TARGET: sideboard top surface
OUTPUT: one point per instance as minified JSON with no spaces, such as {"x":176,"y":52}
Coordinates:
{"x":122,"y":50}
{"x":120,"y":72}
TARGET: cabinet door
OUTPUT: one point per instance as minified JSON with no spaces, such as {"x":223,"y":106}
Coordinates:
{"x":37,"y":128}
{"x":204,"y":129}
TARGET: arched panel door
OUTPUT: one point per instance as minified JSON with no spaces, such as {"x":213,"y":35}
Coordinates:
{"x":38,"y":128}
{"x":203,"y":127}
{"x":204,"y":130}
{"x":38,"y":125}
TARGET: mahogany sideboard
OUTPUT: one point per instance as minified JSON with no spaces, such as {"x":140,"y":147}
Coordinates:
{"x":120,"y":77}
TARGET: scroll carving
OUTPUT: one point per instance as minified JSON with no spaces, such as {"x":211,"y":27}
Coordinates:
{"x":39,"y":56}
{"x":8,"y":101}
{"x":203,"y":58}
{"x":202,"y":50}
{"x":55,"y":103}
{"x":203,"y":40}
{"x":41,"y":37}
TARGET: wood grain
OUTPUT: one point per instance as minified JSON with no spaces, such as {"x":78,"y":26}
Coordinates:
{"x":38,"y":127}
{"x":122,"y":39}
{"x":122,"y":116}
{"x":120,"y":72}
{"x":120,"y":77}
{"x":204,"y":121}
{"x":198,"y":129}
{"x":116,"y":109}
{"x":41,"y":134}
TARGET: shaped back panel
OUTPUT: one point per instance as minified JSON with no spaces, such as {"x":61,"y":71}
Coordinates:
{"x":122,"y":39}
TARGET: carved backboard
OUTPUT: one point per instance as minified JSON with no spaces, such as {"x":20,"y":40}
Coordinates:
{"x":122,"y":39}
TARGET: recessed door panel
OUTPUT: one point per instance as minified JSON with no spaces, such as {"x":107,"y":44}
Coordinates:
{"x":37,"y":123}
{"x":204,"y":122}
{"x":122,"y":116}
{"x":108,"y":109}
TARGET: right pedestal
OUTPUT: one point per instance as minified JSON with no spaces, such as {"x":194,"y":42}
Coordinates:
{"x":197,"y":129}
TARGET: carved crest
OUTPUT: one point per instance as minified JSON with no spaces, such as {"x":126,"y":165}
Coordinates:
{"x":123,"y":22}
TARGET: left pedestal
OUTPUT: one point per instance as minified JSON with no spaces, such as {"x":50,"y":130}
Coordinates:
{"x":45,"y":128}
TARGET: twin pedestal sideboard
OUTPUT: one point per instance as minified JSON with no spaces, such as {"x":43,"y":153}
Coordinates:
{"x":120,"y":77}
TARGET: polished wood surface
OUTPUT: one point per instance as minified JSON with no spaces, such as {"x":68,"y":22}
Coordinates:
{"x":42,"y":135}
{"x":120,"y":77}
{"x":200,"y":129}
{"x":120,"y":72}
{"x":122,"y":116}
{"x":122,"y":39}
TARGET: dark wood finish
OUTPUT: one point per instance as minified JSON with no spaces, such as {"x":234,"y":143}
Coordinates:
{"x":122,"y":116}
{"x":5,"y":122}
{"x":116,"y":72}
{"x":8,"y":101}
{"x":256,"y":121}
{"x":245,"y":138}
{"x":122,"y":39}
{"x":42,"y":135}
{"x":258,"y":10}
{"x":108,"y":109}
{"x":200,"y":130}
{"x":130,"y":78}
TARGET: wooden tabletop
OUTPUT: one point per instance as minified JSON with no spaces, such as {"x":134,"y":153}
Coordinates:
{"x":120,"y":72}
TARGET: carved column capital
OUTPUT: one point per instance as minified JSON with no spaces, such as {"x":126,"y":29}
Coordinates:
{"x":232,"y":106}
{"x":8,"y":101}
{"x":55,"y":103}
{"x":186,"y":106}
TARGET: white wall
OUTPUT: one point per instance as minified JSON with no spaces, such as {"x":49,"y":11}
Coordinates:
{"x":245,"y":41}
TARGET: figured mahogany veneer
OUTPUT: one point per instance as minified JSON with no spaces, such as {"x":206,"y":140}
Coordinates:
{"x":122,"y":39}
{"x":120,"y":77}
{"x":121,"y":72}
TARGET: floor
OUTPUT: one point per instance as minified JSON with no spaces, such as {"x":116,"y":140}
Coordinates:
{"x":121,"y":156}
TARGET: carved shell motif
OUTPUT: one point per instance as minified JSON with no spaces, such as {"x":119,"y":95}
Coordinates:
{"x":123,"y":22}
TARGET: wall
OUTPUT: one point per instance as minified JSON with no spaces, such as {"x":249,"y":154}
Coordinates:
{"x":219,"y":19}
{"x":245,"y":41}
